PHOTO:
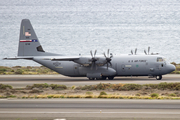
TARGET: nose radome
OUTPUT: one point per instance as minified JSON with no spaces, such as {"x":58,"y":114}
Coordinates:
{"x":172,"y":68}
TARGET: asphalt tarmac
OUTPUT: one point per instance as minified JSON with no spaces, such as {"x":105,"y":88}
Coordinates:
{"x":77,"y":109}
{"x":18,"y":81}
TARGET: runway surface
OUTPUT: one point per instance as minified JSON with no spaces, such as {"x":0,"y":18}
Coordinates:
{"x":22,"y":80}
{"x":50,"y":109}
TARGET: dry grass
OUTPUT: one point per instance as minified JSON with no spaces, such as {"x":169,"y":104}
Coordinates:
{"x":96,"y":96}
{"x":29,"y":70}
{"x":45,"y":91}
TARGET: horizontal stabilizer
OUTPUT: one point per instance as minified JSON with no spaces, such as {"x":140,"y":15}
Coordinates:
{"x":16,"y":58}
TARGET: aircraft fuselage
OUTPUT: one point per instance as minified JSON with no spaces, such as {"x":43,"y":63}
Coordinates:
{"x":122,"y":65}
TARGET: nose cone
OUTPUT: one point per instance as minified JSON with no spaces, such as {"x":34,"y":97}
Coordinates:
{"x":171,"y":68}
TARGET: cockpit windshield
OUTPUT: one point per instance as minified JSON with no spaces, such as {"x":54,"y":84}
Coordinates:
{"x":160,"y":59}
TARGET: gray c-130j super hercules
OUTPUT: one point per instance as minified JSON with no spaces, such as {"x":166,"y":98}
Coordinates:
{"x":92,"y":66}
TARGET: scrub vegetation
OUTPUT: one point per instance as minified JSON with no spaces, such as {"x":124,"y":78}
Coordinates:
{"x":101,"y":90}
{"x":131,"y":87}
{"x":18,"y":70}
{"x":177,"y":71}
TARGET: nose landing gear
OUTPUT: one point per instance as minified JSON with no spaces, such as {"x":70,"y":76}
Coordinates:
{"x":159,"y":77}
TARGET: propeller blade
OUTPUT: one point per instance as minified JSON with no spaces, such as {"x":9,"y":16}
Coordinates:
{"x":135,"y":51}
{"x":107,"y":66}
{"x":104,"y":55}
{"x":131,"y":52}
{"x":91,"y":53}
{"x":95,"y":52}
{"x":145,"y":52}
{"x":148,"y":50}
{"x":108,"y":53}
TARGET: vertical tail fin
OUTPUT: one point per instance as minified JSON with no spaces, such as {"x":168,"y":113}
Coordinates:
{"x":29,"y":44}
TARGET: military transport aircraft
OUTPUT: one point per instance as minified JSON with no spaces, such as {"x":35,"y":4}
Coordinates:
{"x":92,"y":66}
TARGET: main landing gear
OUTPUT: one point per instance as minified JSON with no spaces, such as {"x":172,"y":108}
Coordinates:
{"x":109,"y":77}
{"x":159,"y":77}
{"x":91,"y":78}
{"x":103,"y":78}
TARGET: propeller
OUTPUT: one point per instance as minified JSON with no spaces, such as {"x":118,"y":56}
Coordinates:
{"x":145,"y":52}
{"x":93,"y":59}
{"x":108,"y":59}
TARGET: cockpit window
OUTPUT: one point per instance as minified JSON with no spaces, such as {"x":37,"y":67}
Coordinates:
{"x":160,"y":59}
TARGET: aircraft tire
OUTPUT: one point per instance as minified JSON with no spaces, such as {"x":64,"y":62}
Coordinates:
{"x":159,"y":77}
{"x":103,"y":77}
{"x":91,"y":78}
{"x":111,"y":77}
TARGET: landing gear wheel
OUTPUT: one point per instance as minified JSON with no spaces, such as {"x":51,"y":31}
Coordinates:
{"x":111,"y":77}
{"x":159,"y":77}
{"x":104,"y":77}
{"x":91,"y":78}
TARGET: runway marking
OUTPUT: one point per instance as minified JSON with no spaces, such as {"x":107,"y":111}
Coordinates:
{"x":3,"y":99}
{"x":7,"y":112}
